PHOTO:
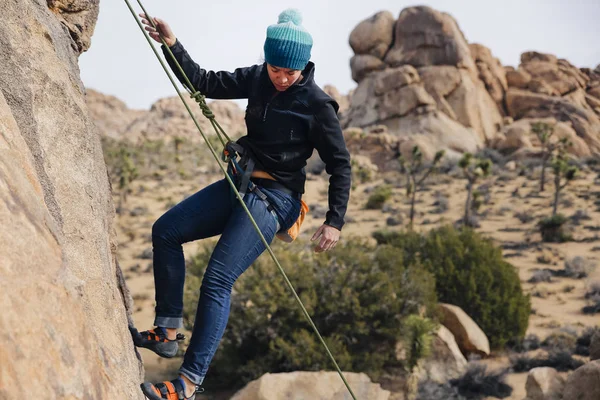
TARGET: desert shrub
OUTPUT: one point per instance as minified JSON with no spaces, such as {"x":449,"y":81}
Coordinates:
{"x":360,"y":173}
{"x":432,"y":390}
{"x":580,"y":215}
{"x":524,"y":217}
{"x":478,"y":383}
{"x":553,"y":229}
{"x":584,"y":341}
{"x":579,"y":267}
{"x":559,"y":342}
{"x":441,"y":203}
{"x":528,"y":343}
{"x":541,"y":276}
{"x":380,"y":195}
{"x":358,"y":295}
{"x":561,"y":361}
{"x":494,"y":155}
{"x":470,"y":273}
{"x":593,"y":306}
{"x":593,"y":289}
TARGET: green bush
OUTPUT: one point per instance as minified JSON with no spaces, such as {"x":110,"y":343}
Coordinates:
{"x":553,"y":229}
{"x":358,"y":295}
{"x":380,"y":195}
{"x":470,"y":272}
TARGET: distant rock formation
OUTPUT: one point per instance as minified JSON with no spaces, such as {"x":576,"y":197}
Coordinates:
{"x":64,"y":304}
{"x":544,"y":87}
{"x":166,"y":119}
{"x":418,"y":76}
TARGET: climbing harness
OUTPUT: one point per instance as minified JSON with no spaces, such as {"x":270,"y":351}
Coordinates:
{"x":249,"y":180}
{"x":201,"y":100}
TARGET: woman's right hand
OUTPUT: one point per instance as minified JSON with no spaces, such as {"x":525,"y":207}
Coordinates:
{"x":163,"y":28}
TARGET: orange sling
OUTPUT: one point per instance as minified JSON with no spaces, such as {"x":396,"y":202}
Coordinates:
{"x":291,"y":234}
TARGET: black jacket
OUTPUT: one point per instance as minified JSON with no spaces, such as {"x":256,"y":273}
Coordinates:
{"x":283,"y":127}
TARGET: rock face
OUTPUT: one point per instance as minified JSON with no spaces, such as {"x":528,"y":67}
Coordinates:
{"x":166,"y":119}
{"x":311,"y":385}
{"x":64,"y":317}
{"x":428,"y":84}
{"x":582,"y":384}
{"x":469,"y":336}
{"x":547,"y":87}
{"x":544,"y":383}
{"x":79,"y":17}
{"x":491,"y":73}
{"x":518,"y":139}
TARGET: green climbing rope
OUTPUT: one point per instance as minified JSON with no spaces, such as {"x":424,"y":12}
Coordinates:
{"x":201,"y":100}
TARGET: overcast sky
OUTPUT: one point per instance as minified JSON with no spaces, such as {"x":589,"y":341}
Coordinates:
{"x":225,"y":34}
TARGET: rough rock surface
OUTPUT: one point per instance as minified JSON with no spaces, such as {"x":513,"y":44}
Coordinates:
{"x":79,"y":17}
{"x":491,"y":73}
{"x":311,"y":385}
{"x":544,"y":383}
{"x":429,"y":78}
{"x":572,"y":110}
{"x":166,"y":119}
{"x":424,"y":36}
{"x":65,"y":316}
{"x":595,"y":347}
{"x":582,"y":384}
{"x":517,"y":137}
{"x":374,"y":35}
{"x":469,"y":336}
{"x":446,"y":361}
{"x":546,"y":87}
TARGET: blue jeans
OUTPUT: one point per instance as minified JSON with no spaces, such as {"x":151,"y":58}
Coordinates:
{"x":210,"y":212}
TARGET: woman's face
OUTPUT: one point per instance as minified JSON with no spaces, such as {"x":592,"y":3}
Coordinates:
{"x":283,"y":78}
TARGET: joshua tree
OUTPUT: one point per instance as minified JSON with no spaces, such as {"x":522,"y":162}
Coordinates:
{"x":544,"y":132}
{"x":562,"y":171}
{"x":552,"y":228}
{"x":473,"y":168}
{"x":127,"y":173}
{"x":177,"y":142}
{"x":413,"y":181}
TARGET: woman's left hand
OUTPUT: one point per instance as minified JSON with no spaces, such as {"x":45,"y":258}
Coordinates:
{"x":328,"y":237}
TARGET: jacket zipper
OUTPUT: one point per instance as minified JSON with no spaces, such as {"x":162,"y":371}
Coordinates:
{"x":267,"y":107}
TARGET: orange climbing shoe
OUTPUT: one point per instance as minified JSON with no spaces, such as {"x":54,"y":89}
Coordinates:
{"x":157,"y":341}
{"x":170,"y":390}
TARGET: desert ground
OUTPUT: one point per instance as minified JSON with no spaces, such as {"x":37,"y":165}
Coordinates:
{"x":509,"y":213}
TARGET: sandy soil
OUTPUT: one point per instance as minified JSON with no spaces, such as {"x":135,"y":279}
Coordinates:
{"x":556,"y":304}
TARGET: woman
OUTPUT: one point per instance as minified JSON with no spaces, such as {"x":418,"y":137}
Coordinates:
{"x":288,"y":116}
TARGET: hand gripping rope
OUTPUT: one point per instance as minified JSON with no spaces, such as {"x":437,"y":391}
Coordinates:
{"x":201,"y":100}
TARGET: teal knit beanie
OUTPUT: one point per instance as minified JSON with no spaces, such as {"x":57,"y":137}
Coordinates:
{"x":288,"y":44}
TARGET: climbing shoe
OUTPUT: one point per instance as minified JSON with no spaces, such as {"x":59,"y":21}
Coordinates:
{"x":157,"y":341}
{"x":170,"y":390}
